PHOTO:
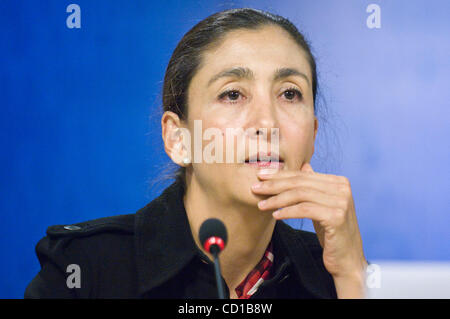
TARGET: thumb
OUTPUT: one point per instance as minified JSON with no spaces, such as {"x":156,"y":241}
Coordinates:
{"x":307,"y":168}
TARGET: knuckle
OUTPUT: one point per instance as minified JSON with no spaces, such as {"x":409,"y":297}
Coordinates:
{"x":336,"y":178}
{"x":339,"y":216}
{"x":343,"y":189}
{"x":343,"y":204}
{"x":345,"y":181}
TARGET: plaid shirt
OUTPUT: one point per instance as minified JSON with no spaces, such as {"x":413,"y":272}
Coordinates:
{"x":257,"y":276}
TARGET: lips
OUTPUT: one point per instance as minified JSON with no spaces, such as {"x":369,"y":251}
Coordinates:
{"x":271,"y":165}
{"x":264,"y":158}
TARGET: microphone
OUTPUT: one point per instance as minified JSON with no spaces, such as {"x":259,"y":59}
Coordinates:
{"x":213,"y":236}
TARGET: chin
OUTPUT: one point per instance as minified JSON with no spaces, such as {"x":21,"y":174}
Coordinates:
{"x":244,"y":195}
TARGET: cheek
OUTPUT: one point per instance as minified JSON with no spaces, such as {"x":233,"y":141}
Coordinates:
{"x":299,"y":127}
{"x":212,"y":135}
{"x":297,"y":138}
{"x":234,"y":126}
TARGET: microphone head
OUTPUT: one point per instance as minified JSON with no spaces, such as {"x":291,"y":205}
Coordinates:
{"x":213,"y":233}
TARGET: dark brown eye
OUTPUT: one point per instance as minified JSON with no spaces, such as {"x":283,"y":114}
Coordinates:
{"x":233,"y":95}
{"x":290,"y":94}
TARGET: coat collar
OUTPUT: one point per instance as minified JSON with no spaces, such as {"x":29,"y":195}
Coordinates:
{"x":164,"y":244}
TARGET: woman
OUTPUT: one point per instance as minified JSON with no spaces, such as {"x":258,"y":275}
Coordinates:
{"x":242,"y":69}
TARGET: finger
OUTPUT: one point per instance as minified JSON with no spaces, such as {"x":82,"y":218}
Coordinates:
{"x":304,"y":210}
{"x":265,"y":174}
{"x":278,"y":185}
{"x":297,"y":195}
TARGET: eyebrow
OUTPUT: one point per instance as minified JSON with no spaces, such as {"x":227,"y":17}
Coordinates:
{"x":246,"y":73}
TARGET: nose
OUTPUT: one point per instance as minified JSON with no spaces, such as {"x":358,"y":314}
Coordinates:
{"x":263,"y":124}
{"x":263,"y":118}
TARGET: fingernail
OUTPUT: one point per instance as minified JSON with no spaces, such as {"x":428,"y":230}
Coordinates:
{"x":256,"y":185}
{"x":266,"y":171}
{"x":276,"y":213}
{"x":262,"y":203}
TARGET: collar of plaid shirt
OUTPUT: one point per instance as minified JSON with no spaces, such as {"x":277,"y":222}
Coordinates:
{"x":256,"y":277}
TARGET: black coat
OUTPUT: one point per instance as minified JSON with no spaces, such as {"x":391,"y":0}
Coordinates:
{"x":152,"y":254}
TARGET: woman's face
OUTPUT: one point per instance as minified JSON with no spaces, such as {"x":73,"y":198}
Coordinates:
{"x":269,"y":87}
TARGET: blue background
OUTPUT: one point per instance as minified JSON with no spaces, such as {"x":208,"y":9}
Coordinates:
{"x":80,"y":116}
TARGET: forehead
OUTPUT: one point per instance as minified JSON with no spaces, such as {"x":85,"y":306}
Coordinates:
{"x":264,"y":49}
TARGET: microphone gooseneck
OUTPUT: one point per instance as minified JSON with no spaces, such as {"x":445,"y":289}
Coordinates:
{"x":213,"y":237}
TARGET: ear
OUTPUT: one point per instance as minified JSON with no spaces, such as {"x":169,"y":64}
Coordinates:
{"x":174,"y":137}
